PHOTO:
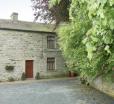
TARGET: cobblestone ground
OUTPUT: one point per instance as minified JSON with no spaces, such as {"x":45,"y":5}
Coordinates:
{"x":59,"y":91}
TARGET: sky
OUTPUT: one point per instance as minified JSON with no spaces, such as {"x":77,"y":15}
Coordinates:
{"x":22,"y":7}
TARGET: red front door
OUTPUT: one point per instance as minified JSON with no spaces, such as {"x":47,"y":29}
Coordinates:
{"x":29,"y":68}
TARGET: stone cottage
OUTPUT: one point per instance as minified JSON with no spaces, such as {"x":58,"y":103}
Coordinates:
{"x":30,"y":48}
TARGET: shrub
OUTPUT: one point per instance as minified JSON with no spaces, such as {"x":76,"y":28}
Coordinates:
{"x":37,"y":76}
{"x":23,"y":77}
{"x":83,"y":80}
{"x":11,"y":79}
{"x":9,"y":68}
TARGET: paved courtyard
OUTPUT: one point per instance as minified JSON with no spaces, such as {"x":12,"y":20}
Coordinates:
{"x":59,"y":91}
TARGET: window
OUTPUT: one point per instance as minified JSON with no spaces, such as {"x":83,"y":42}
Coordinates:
{"x":51,"y":63}
{"x":50,"y":42}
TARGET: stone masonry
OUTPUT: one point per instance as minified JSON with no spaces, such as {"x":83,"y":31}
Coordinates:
{"x":21,"y":41}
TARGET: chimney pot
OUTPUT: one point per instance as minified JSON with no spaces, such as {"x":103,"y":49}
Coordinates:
{"x":14,"y":16}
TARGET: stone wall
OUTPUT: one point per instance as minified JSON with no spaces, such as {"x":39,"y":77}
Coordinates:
{"x":104,"y":86}
{"x":18,"y":46}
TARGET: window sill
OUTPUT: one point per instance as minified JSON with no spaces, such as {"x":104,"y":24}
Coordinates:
{"x":51,"y":50}
{"x":51,"y":71}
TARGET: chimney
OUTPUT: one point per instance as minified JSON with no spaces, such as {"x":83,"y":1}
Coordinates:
{"x":14,"y":16}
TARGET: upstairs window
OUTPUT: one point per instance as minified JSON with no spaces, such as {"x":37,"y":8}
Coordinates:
{"x":51,"y":63}
{"x":51,"y":42}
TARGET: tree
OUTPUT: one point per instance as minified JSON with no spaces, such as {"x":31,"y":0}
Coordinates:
{"x":46,"y":13}
{"x":87,"y":41}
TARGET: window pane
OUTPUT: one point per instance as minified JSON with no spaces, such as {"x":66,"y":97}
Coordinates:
{"x":50,"y":63}
{"x":51,"y":42}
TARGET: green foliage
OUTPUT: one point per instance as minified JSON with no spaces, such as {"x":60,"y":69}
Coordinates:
{"x":37,"y":76}
{"x":11,"y":79}
{"x":53,"y":2}
{"x":87,"y":41}
{"x":101,"y":13}
{"x":23,"y":76}
{"x":9,"y":68}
